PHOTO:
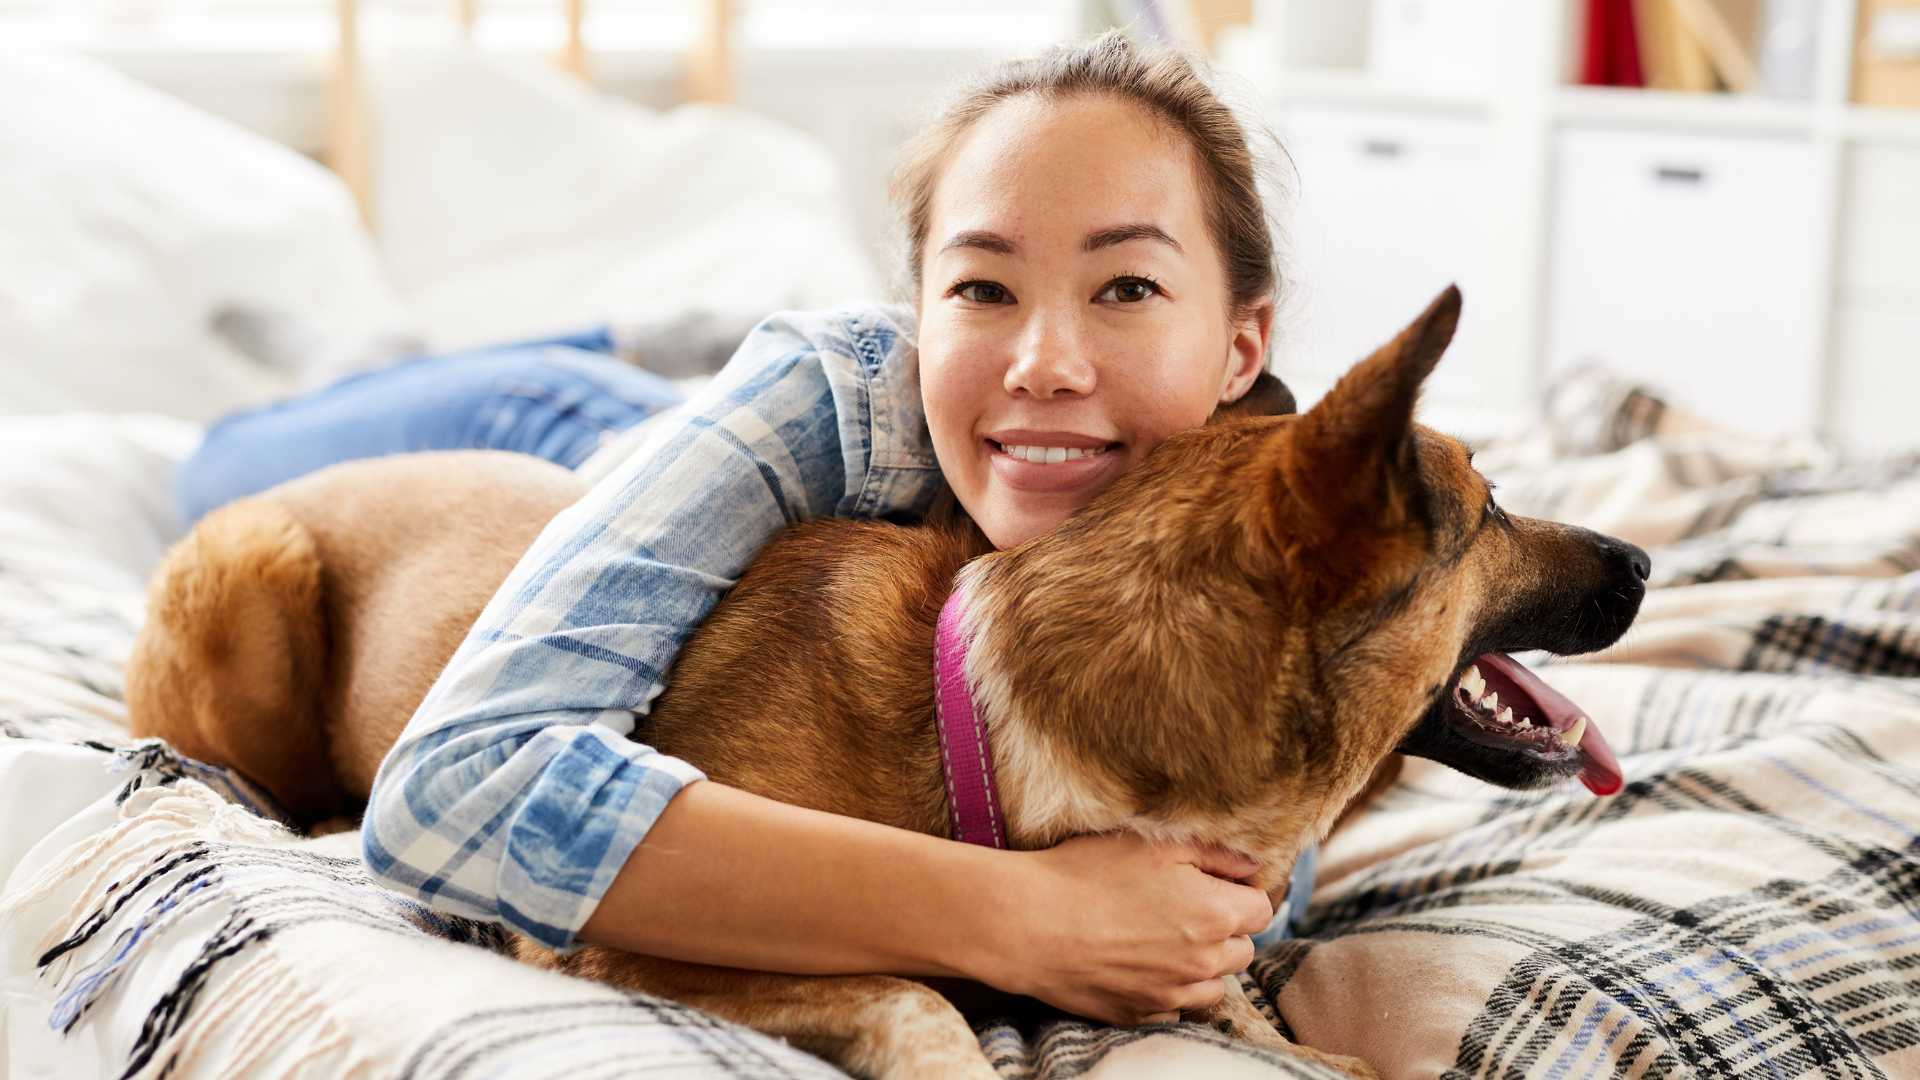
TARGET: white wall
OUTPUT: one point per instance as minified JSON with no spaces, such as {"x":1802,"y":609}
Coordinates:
{"x":1755,"y":258}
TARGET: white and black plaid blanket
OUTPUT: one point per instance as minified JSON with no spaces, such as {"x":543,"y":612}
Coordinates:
{"x":1749,"y":905}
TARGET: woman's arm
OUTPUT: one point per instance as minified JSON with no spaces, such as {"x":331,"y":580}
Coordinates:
{"x":1110,"y":927}
{"x":799,"y":888}
{"x":515,"y":793}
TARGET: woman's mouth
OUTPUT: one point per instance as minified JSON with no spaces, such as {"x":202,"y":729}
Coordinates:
{"x":1041,"y":466}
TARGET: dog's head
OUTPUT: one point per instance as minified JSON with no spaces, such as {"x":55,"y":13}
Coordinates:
{"x":1286,"y":600}
{"x":1420,"y":572}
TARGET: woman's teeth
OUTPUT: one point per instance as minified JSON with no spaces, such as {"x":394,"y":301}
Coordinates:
{"x":1048,"y":455}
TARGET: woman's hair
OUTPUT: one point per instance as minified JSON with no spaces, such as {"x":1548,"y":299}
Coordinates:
{"x":1161,"y":80}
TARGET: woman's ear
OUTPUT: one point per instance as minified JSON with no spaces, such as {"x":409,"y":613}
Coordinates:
{"x":1246,"y":352}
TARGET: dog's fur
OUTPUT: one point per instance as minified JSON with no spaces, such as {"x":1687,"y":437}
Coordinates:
{"x":1222,"y":647}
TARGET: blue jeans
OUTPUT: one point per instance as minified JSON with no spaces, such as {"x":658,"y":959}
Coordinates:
{"x":1291,"y":914}
{"x":553,"y":398}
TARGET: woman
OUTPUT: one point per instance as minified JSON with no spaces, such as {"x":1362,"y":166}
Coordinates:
{"x":1090,"y":271}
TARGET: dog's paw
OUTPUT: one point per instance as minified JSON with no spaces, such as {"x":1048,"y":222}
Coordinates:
{"x":1352,"y":1066}
{"x":1235,"y":1016}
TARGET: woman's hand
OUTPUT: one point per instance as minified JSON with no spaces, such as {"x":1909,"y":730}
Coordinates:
{"x":1124,"y":930}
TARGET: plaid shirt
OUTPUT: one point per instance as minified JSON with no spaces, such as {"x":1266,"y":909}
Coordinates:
{"x":516,"y":793}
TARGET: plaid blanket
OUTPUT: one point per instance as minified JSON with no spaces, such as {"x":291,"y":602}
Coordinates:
{"x":1749,"y":905}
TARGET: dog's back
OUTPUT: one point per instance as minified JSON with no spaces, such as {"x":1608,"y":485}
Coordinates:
{"x":295,"y":632}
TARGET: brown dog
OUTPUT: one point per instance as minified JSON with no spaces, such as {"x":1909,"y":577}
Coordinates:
{"x":1222,"y":647}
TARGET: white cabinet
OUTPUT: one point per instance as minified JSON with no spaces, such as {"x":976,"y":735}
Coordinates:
{"x":1876,"y":333}
{"x":1389,"y":209}
{"x":1876,"y":393}
{"x":1692,"y":261}
{"x":1880,"y":236}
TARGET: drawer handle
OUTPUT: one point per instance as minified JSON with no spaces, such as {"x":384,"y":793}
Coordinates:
{"x":1382,"y":148}
{"x":1679,"y":174}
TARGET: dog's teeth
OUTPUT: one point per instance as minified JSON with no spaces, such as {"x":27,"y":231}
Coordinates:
{"x":1505,"y":716}
{"x":1472,"y":683}
{"x":1571,"y":736}
{"x":1526,"y":723}
{"x":1491,"y":703}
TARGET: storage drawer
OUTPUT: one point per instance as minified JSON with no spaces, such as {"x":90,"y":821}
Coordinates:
{"x":1390,"y":209}
{"x":1689,"y":261}
{"x":1880,"y":230}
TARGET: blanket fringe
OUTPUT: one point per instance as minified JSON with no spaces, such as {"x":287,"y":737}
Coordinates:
{"x":188,"y":805}
{"x":164,"y":831}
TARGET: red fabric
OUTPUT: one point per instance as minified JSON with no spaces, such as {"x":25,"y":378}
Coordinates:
{"x":1610,"y":55}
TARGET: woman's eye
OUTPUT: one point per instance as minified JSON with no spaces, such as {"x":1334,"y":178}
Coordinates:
{"x":1131,"y":290}
{"x":986,"y":292}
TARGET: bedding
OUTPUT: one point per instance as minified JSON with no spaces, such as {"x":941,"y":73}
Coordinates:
{"x":694,"y":208}
{"x":161,"y":258}
{"x":1746,"y":906}
{"x":135,"y":224}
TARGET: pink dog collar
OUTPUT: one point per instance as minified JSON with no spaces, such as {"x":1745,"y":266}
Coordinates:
{"x":973,"y":805}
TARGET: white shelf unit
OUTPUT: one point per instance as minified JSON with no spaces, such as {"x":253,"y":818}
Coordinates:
{"x":1759,"y":259}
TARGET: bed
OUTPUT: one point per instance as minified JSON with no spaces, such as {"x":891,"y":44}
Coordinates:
{"x":1747,"y":906}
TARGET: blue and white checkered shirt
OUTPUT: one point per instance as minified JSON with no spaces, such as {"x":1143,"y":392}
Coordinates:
{"x":515,"y":793}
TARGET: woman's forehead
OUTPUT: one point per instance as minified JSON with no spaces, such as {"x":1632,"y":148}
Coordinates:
{"x":1039,"y":171}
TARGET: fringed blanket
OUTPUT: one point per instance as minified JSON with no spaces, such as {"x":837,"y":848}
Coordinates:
{"x":1749,"y":905}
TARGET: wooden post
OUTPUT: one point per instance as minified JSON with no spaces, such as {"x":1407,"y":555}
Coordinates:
{"x":347,"y":152}
{"x":574,"y":56}
{"x":710,"y":63}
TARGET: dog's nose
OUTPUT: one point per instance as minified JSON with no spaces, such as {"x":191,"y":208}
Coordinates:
{"x":1637,"y":560}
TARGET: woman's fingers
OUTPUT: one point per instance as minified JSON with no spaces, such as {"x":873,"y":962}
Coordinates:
{"x":1235,"y":954}
{"x":1186,"y":999}
{"x":1222,"y":863}
{"x":1247,"y":909}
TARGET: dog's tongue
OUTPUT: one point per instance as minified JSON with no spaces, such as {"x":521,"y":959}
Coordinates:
{"x":1599,"y":769}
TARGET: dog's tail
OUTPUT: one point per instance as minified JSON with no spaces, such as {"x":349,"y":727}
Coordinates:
{"x":228,"y":666}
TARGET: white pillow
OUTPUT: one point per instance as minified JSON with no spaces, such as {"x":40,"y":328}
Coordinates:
{"x":513,"y":201}
{"x":129,"y":221}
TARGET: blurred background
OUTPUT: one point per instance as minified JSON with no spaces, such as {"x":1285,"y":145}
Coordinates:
{"x":206,"y":203}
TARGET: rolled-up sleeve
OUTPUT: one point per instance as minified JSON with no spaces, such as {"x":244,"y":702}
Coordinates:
{"x":516,"y":794}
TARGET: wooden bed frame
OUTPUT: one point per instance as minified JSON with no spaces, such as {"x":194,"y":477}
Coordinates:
{"x":708,"y":78}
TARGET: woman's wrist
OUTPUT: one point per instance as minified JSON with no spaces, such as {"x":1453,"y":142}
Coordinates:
{"x":979,"y":900}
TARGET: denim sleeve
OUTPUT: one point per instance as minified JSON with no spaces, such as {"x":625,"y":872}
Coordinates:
{"x":515,"y":793}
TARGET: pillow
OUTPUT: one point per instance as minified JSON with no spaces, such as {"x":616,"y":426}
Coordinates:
{"x":513,"y":201}
{"x":133,"y":222}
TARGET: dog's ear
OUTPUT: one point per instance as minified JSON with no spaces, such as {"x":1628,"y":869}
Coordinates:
{"x":1350,"y":458}
{"x":1268,"y":396}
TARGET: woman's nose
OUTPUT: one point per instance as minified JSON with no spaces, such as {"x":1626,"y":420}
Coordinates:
{"x":1050,"y":359}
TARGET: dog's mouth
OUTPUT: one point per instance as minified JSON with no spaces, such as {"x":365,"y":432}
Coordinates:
{"x":1496,"y":702}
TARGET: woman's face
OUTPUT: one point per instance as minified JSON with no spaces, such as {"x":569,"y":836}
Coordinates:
{"x":1073,"y":311}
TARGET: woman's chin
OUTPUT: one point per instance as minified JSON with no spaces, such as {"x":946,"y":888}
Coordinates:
{"x":1010,"y":522}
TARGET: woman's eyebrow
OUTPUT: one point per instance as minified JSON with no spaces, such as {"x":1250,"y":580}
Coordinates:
{"x":980,"y":238}
{"x":1118,"y":234}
